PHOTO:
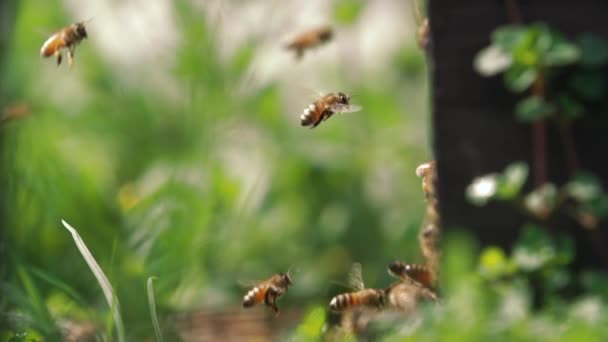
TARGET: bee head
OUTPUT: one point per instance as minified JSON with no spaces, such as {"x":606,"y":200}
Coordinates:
{"x":80,"y":30}
{"x":343,"y":98}
{"x":396,"y":268}
{"x":286,"y":279}
{"x":325,"y":34}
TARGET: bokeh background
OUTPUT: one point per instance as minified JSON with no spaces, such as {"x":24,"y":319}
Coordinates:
{"x":173,"y":146}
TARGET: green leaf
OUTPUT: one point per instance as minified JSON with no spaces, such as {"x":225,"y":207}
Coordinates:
{"x":594,"y":50}
{"x":599,"y":206}
{"x":534,"y":249}
{"x":590,"y":85}
{"x":562,"y":53}
{"x":152,"y":309}
{"x":347,"y":11}
{"x":513,"y":179}
{"x":570,"y":107}
{"x":482,"y":189}
{"x":507,"y":37}
{"x":102,"y":279}
{"x":492,"y":60}
{"x":542,"y":201}
{"x":311,"y":327}
{"x":566,"y":249}
{"x":518,"y":78}
{"x":533,"y":108}
{"x":494,"y":263}
{"x":584,"y":187}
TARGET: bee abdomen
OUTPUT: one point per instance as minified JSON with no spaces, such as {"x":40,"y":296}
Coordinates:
{"x":308,"y":117}
{"x":251,"y":297}
{"x":341,"y":302}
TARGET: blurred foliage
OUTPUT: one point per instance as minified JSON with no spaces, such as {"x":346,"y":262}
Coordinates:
{"x":582,"y":197}
{"x":495,"y":300}
{"x":534,"y":56}
{"x":204,"y":190}
{"x":216,"y":186}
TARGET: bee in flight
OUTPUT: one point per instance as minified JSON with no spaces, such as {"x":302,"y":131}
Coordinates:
{"x":324,"y":108}
{"x":375,"y":298}
{"x":268,"y":291}
{"x":408,"y":272}
{"x":66,"y":38}
{"x":309,"y":39}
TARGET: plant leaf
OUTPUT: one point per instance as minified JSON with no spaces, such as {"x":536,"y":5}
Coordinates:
{"x":152,"y":307}
{"x":103,"y":281}
{"x":513,"y":179}
{"x":594,"y":50}
{"x":518,"y":78}
{"x":533,"y":108}
{"x":492,"y":60}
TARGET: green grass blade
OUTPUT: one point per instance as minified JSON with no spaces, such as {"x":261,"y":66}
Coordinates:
{"x":54,"y":281}
{"x":152,"y":305}
{"x":103,"y":281}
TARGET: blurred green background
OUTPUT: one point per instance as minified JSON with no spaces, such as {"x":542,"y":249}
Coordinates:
{"x":173,"y":146}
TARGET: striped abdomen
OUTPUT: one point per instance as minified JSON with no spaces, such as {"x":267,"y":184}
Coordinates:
{"x":366,"y":297}
{"x":314,"y":114}
{"x":255,"y":296}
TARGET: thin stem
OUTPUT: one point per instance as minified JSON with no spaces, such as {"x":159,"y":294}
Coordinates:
{"x":539,"y":136}
{"x":513,"y":11}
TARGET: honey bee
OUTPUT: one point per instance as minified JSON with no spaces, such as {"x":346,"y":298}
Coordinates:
{"x":67,"y":38}
{"x":268,"y":291}
{"x":404,"y":296}
{"x":428,"y":173}
{"x":309,"y":39}
{"x":324,"y":108}
{"x":418,"y":273}
{"x":424,"y":31}
{"x":361,"y":297}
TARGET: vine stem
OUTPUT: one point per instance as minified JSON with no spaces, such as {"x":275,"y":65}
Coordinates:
{"x":539,"y":136}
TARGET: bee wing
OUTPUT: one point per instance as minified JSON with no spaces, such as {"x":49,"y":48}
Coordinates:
{"x":247,"y":284}
{"x":355,"y":277}
{"x":344,"y":108}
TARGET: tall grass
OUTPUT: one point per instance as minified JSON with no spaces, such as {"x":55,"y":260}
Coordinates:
{"x":152,"y":304}
{"x":103,"y":281}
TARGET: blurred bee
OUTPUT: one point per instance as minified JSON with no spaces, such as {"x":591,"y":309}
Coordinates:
{"x":14,"y":111}
{"x":404,"y":296}
{"x":67,"y":38}
{"x":424,"y":31}
{"x":375,"y":298}
{"x":309,"y":39}
{"x":428,"y":173}
{"x":407,"y":272}
{"x":324,"y":108}
{"x":268,"y":291}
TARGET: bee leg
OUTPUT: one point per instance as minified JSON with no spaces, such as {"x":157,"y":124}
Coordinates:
{"x":71,"y":56}
{"x":271,"y":300}
{"x":58,"y":56}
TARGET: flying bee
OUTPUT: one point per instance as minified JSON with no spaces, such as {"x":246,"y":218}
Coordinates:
{"x":324,"y":108}
{"x":268,"y":291}
{"x":361,"y":297}
{"x":405,"y":296}
{"x":408,"y":272}
{"x":309,"y":39}
{"x":66,"y":38}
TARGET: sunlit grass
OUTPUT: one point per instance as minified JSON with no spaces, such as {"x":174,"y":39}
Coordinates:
{"x":103,"y":281}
